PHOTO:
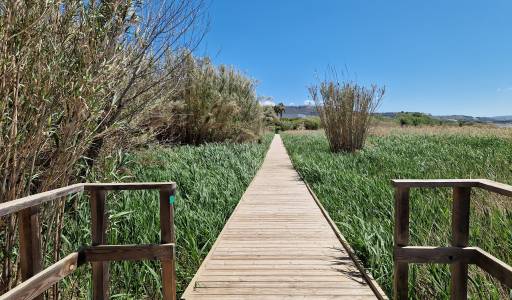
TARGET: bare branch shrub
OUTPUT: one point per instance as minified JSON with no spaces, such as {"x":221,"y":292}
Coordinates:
{"x":74,"y":74}
{"x":345,"y":111}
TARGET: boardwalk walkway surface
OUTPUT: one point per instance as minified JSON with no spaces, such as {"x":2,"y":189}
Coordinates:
{"x":278,"y":244}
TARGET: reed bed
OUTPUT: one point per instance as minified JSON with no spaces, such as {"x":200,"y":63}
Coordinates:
{"x":211,"y":180}
{"x":356,"y":191}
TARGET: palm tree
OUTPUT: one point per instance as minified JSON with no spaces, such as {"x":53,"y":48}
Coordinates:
{"x":279,"y":109}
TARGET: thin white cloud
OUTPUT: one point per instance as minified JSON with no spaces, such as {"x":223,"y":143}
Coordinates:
{"x":505,"y":89}
{"x":267,"y":103}
{"x":309,"y":102}
{"x":291,"y":103}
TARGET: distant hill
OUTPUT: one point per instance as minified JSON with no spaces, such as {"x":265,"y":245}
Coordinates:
{"x":497,"y":119}
{"x":303,"y":111}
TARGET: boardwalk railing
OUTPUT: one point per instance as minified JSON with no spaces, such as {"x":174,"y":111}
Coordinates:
{"x":36,"y":281}
{"x":459,"y":255}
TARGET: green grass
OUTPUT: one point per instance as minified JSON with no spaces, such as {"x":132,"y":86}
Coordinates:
{"x":211,"y":180}
{"x":356,"y":191}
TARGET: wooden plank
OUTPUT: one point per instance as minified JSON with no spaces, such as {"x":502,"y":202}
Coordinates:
{"x":439,"y":255}
{"x":128,"y":252}
{"x":30,"y":243}
{"x":277,"y":284}
{"x":100,"y":270}
{"x":281,"y":278}
{"x":43,"y":280}
{"x":130,"y":186}
{"x":497,"y":268}
{"x":496,"y":187}
{"x":274,"y":297}
{"x":435,"y":183}
{"x":167,"y":236}
{"x":401,"y":239}
{"x":280,"y":244}
{"x":460,"y":237}
{"x":13,"y":206}
{"x":347,"y":292}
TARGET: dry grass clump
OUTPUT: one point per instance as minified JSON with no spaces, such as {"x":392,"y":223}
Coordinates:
{"x":481,"y":130}
{"x":345,"y":111}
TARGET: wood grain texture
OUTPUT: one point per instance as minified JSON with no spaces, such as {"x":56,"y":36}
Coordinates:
{"x":460,"y":237}
{"x":401,"y":239}
{"x":130,"y":186}
{"x":13,"y":206}
{"x":438,"y":255}
{"x":494,"y":266}
{"x":100,"y":272}
{"x":43,"y":280}
{"x":278,"y":244}
{"x":37,"y":199}
{"x":30,"y":243}
{"x":167,"y":236}
{"x":128,"y":252}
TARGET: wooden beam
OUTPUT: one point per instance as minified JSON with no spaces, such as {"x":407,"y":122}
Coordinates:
{"x":100,"y":274}
{"x":401,"y":232}
{"x":434,"y":183}
{"x":438,"y":255}
{"x":168,"y":236}
{"x":130,"y":186}
{"x":496,"y":187}
{"x":401,"y":238}
{"x":13,"y":206}
{"x":43,"y":280}
{"x":494,"y":266}
{"x":17,"y":205}
{"x":30,"y":242}
{"x":128,"y":252}
{"x":460,"y":238}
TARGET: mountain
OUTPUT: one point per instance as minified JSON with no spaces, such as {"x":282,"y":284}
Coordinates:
{"x":303,"y":111}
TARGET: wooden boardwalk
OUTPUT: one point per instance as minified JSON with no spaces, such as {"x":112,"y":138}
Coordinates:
{"x":280,"y":244}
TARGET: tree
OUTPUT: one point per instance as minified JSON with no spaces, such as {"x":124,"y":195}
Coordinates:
{"x":279,"y":109}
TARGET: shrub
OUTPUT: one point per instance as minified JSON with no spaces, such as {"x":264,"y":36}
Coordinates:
{"x":214,"y":104}
{"x":311,"y":123}
{"x":345,"y":110}
{"x":72,"y":75}
{"x":416,"y":119}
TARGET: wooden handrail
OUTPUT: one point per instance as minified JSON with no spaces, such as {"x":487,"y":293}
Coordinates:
{"x":36,"y":281}
{"x":14,"y":206}
{"x":459,"y":256}
{"x":489,"y":185}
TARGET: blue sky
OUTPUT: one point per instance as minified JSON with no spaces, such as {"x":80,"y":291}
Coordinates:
{"x":439,"y":57}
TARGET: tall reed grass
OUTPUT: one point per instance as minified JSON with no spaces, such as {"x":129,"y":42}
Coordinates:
{"x":356,"y":191}
{"x":213,"y":104}
{"x":211,"y":180}
{"x":345,"y":109}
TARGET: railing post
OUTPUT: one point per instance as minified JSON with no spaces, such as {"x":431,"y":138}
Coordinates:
{"x":167,"y":197}
{"x":401,"y":237}
{"x":30,"y":243}
{"x":99,"y":218}
{"x":460,"y":237}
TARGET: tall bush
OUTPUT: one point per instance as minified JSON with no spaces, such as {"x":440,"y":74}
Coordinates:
{"x":345,"y":110}
{"x":213,"y":104}
{"x":73,"y":74}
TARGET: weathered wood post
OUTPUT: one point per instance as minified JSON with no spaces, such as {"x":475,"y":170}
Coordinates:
{"x":30,"y":243}
{"x":460,"y":237}
{"x":167,"y":198}
{"x":100,"y":272}
{"x":401,"y":237}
